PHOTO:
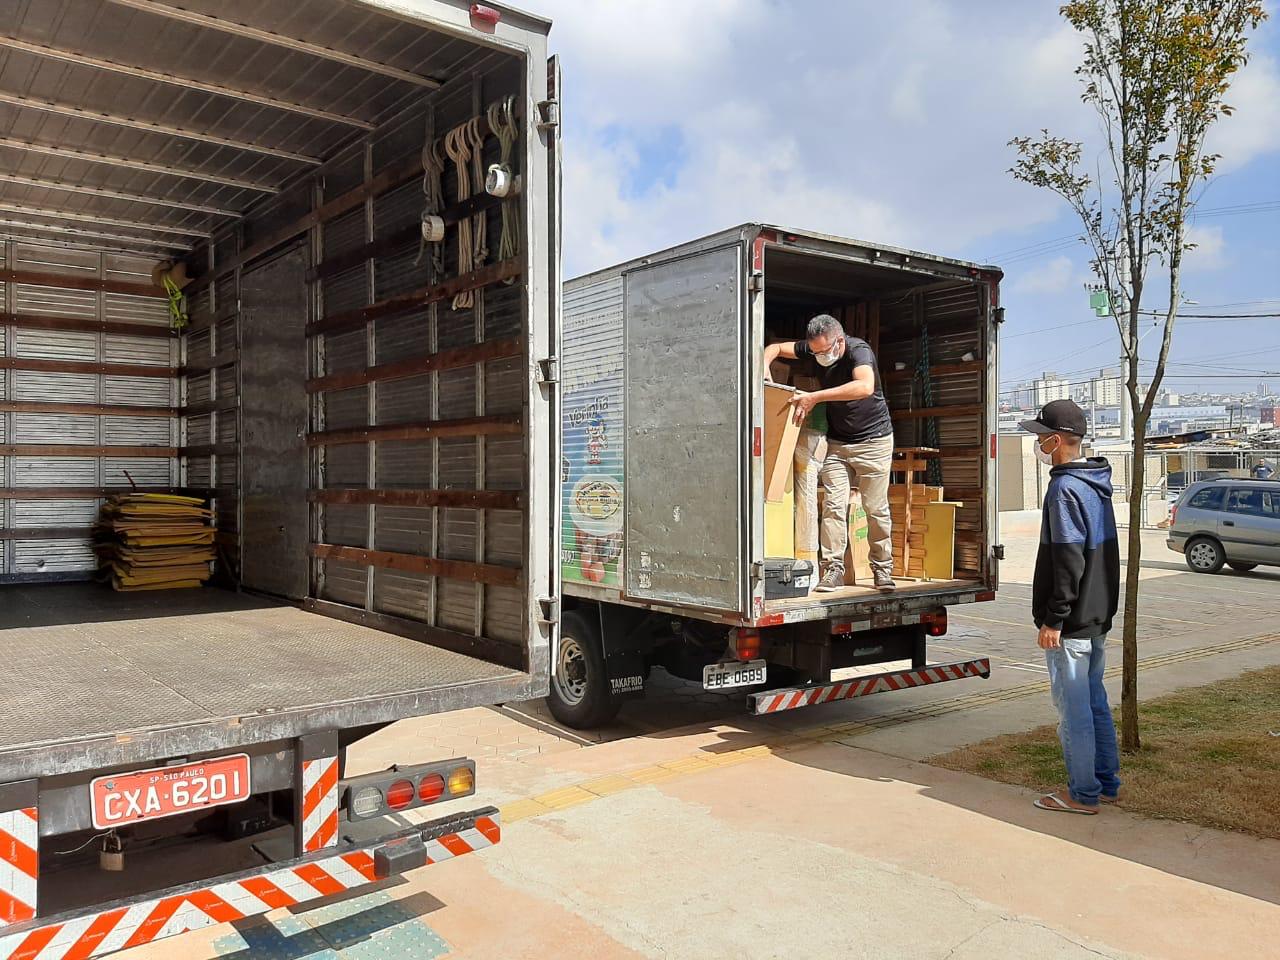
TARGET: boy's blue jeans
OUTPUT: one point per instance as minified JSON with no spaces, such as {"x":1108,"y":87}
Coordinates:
{"x":1085,"y":727}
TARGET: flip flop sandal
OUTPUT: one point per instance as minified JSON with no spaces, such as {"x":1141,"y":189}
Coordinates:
{"x":1055,"y":804}
{"x":1105,"y":799}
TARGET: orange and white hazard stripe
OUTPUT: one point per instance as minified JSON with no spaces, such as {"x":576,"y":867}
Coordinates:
{"x":19,"y":865}
{"x":319,"y":803}
{"x":96,"y":934}
{"x":775,"y":701}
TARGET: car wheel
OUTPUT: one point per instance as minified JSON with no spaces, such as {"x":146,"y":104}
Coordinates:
{"x":580,"y":696}
{"x":1204,"y":555}
{"x":1240,"y":567}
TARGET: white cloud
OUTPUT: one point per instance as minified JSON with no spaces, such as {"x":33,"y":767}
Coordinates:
{"x":885,"y":123}
{"x":1210,"y":249}
{"x":1254,"y":128}
{"x":1053,"y":276}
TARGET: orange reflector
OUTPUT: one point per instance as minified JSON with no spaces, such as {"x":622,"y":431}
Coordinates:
{"x":980,"y":597}
{"x":461,"y":781}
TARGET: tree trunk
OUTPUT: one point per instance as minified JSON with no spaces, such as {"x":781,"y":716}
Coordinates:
{"x":1129,"y":737}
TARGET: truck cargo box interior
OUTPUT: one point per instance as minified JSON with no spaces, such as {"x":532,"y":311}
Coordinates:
{"x":214,"y":282}
{"x":929,"y":337}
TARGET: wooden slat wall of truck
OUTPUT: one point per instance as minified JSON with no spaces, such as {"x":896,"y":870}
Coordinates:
{"x":88,"y":401}
{"x":952,"y":314}
{"x":418,"y":401}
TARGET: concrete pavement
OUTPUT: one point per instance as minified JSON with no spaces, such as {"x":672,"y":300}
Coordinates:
{"x":691,"y":830}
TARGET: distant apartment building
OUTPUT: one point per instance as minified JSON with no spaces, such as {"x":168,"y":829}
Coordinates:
{"x":1049,"y":387}
{"x":1105,"y":388}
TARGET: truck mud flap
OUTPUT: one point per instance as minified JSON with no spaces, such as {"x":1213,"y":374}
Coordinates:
{"x":103,"y":929}
{"x":792,"y":698}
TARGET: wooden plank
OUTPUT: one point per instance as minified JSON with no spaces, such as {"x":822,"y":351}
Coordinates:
{"x":464,"y":499}
{"x":25,"y":321}
{"x":64,"y":282}
{"x":78,"y":450}
{"x":210,"y":450}
{"x":46,"y":533}
{"x":421,"y":430}
{"x":950,"y":325}
{"x":90,"y":493}
{"x":451,"y":215}
{"x":85,"y":409}
{"x":415,"y":366}
{"x":88,"y":366}
{"x":224,"y":359}
{"x":968,"y":450}
{"x":354,"y":319}
{"x":953,"y":410}
{"x":937,"y":370}
{"x":429,"y":566}
{"x":483,"y":648}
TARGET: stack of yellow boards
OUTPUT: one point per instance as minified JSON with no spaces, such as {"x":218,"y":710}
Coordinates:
{"x":155,"y":541}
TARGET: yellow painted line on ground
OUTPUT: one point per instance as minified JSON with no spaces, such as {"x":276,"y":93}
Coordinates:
{"x":588,"y":791}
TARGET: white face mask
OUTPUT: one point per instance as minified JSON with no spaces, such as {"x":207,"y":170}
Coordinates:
{"x":1045,"y":458}
{"x":829,"y":357}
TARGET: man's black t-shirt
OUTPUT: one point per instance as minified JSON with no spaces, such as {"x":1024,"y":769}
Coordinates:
{"x":851,"y":421}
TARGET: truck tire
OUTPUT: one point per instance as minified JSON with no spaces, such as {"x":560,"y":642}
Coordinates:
{"x":1205,"y":555}
{"x":580,"y":695}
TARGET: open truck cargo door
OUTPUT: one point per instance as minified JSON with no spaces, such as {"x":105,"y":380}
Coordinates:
{"x":684,"y":428}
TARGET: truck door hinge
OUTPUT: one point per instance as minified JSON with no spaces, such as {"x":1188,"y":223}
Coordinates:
{"x":549,"y":370}
{"x":999,"y":315}
{"x":548,"y":114}
{"x":757,"y":570}
{"x":998,"y":551}
{"x":549,"y":609}
{"x":755,"y":282}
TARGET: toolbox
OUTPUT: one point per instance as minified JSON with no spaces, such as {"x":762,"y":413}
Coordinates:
{"x":786,"y":578}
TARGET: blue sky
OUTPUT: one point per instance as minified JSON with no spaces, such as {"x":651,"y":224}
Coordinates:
{"x":889,"y":122}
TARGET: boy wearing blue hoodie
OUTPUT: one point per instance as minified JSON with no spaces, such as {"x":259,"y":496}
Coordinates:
{"x":1074,"y":596}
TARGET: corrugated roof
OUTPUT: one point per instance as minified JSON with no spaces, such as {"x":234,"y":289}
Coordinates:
{"x":69,"y":93}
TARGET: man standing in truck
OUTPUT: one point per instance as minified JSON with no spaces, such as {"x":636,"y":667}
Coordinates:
{"x":859,"y":443}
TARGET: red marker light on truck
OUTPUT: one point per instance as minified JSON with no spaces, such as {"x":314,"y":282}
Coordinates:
{"x":483,"y":17}
{"x":745,"y":643}
{"x":400,"y":794}
{"x":431,"y":788}
{"x":934,"y":622}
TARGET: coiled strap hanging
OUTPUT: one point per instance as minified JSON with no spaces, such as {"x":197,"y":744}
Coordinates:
{"x":463,"y":145}
{"x":502,"y":123}
{"x":433,"y":192}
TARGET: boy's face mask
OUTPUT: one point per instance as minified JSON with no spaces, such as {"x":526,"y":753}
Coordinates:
{"x":1047,"y":457}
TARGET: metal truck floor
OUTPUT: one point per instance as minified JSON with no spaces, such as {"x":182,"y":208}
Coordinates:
{"x":92,"y":676}
{"x":905,"y":587}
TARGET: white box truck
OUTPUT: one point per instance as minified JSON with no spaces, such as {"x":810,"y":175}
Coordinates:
{"x":359,"y":204}
{"x":666,"y":553}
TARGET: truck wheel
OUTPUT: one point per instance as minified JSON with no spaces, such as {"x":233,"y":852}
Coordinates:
{"x":1205,"y":555}
{"x":1240,"y":567}
{"x":580,"y":696}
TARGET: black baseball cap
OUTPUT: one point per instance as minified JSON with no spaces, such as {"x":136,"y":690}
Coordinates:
{"x":1058,"y":416}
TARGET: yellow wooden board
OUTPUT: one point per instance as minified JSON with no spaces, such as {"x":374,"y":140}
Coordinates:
{"x":940,"y":540}
{"x":780,"y":523}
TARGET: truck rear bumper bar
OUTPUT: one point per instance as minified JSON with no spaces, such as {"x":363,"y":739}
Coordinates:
{"x":792,"y":698}
{"x":104,"y":929}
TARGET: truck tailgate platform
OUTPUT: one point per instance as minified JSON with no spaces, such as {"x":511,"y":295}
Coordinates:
{"x":85,"y":666}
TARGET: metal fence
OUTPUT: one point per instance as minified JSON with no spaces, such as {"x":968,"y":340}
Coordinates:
{"x":1170,"y":472}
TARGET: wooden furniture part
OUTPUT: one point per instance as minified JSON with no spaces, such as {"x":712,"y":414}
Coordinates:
{"x":909,"y":525}
{"x":780,"y":435}
{"x":940,"y":539}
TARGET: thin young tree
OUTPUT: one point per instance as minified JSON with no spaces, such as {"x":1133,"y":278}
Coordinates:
{"x":1156,"y":72}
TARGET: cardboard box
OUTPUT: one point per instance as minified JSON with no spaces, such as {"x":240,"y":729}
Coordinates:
{"x":780,"y":435}
{"x":857,"y":556}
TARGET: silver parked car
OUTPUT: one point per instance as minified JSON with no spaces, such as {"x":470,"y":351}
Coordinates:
{"x":1227,"y":521}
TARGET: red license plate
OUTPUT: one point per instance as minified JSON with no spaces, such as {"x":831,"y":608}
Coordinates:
{"x":167,"y":791}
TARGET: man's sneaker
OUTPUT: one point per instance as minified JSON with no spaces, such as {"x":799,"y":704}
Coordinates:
{"x":831,"y":581}
{"x":884,"y":581}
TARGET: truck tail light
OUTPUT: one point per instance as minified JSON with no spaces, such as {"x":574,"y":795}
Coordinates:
{"x":935,"y":622}
{"x":984,"y":597}
{"x":431,"y":788}
{"x":461,"y":782}
{"x":745,"y":642}
{"x":404,"y":788}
